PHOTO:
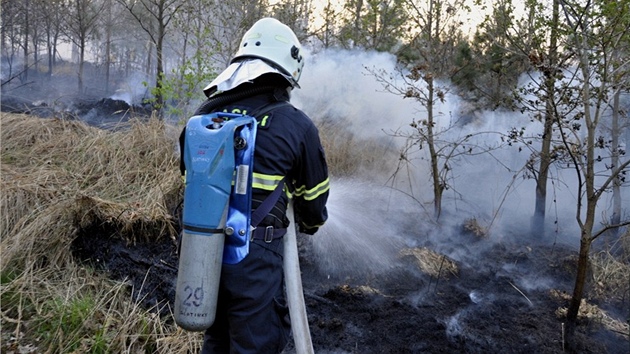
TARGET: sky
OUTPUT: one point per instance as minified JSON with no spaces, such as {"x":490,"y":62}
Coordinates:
{"x":470,"y":20}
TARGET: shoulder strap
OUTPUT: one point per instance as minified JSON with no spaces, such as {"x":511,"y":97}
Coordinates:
{"x":266,"y":108}
{"x":265,"y":207}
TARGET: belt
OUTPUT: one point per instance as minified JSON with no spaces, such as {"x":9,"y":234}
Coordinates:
{"x":267,"y":233}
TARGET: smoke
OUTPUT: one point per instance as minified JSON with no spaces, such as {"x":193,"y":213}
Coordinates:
{"x":336,"y":84}
{"x":5,"y":70}
{"x":368,"y":221}
{"x":132,"y":89}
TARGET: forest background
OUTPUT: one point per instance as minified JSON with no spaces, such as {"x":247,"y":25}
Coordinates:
{"x":553,"y":75}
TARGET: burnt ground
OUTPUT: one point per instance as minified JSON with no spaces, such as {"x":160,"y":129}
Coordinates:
{"x":105,"y":113}
{"x":482,"y":309}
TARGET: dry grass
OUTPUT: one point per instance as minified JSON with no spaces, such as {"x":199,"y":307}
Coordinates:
{"x":610,"y":283}
{"x":431,"y":262}
{"x":74,"y":310}
{"x":349,"y":155}
{"x":58,"y":177}
{"x":611,"y":274}
{"x":472,"y":226}
{"x":593,"y":313}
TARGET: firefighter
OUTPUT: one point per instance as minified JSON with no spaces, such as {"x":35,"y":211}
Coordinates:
{"x":252,"y":314}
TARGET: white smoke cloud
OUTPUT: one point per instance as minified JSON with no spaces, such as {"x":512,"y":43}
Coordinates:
{"x":133,"y":90}
{"x":336,"y":85}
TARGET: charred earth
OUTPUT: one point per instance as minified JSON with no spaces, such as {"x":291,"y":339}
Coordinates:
{"x":488,"y":308}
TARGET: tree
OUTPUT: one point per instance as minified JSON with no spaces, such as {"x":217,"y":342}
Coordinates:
{"x":81,"y":27}
{"x":27,"y":9}
{"x":327,"y":32}
{"x":154,"y":17}
{"x":230,"y":22}
{"x":501,"y":45}
{"x":10,"y":31}
{"x":373,"y":24}
{"x":295,"y":14}
{"x":620,"y":84}
{"x":599,"y":31}
{"x":427,"y":55}
{"x":108,"y":25}
{"x":537,"y":39}
{"x":196,"y":65}
{"x":550,"y":75}
{"x":50,"y":15}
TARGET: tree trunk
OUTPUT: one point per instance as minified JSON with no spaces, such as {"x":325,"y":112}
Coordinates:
{"x":81,"y":65}
{"x":149,"y":62}
{"x":54,"y":51}
{"x":127,"y":62}
{"x":580,"y":279}
{"x":35,"y":50}
{"x":26,"y":34}
{"x":357,"y":20}
{"x":588,"y":172}
{"x":438,"y":186}
{"x":616,"y":186}
{"x":159,"y":96}
{"x":586,"y":229}
{"x":51,"y":53}
{"x":578,"y":289}
{"x":611,"y":237}
{"x":538,"y":220}
{"x":108,"y":44}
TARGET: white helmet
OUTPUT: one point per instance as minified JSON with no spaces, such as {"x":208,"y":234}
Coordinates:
{"x":274,"y":42}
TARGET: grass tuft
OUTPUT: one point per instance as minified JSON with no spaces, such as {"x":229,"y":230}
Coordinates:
{"x":59,"y":177}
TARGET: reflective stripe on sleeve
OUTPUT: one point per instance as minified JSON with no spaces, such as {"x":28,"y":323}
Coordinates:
{"x":265,"y":182}
{"x":314,"y":192}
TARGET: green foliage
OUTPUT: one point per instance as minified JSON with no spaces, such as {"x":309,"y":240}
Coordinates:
{"x":465,"y":71}
{"x":14,"y":303}
{"x":294,"y":14}
{"x":6,"y":276}
{"x":373,"y":24}
{"x":500,"y":49}
{"x":434,"y":39}
{"x":100,"y":342}
{"x":327,"y":34}
{"x":183,"y":86}
{"x":62,"y":322}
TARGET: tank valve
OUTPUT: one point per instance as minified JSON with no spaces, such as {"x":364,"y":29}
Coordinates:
{"x":240,"y":143}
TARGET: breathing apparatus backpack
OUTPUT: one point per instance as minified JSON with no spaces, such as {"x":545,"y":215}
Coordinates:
{"x":218,"y":157}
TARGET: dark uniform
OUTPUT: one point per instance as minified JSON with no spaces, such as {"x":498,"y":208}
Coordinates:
{"x":252,"y":315}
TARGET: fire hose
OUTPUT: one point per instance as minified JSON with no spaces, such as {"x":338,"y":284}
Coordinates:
{"x":295,"y":293}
